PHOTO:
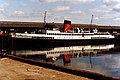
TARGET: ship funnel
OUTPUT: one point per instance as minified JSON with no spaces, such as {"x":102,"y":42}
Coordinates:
{"x":67,"y":25}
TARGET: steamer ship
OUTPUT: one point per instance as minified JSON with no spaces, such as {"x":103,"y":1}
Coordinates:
{"x":51,"y":35}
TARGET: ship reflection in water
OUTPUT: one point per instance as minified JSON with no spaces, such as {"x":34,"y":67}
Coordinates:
{"x":99,"y":58}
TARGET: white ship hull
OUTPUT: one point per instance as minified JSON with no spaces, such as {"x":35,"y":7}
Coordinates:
{"x":57,"y":35}
{"x":54,"y":38}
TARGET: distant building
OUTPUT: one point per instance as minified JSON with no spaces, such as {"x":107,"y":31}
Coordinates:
{"x":23,"y":26}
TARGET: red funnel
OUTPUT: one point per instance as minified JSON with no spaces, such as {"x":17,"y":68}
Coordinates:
{"x":67,"y":25}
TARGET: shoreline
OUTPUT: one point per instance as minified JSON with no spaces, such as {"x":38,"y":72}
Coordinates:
{"x":16,"y":70}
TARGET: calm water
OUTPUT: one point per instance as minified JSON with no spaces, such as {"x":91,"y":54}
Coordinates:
{"x":98,"y":58}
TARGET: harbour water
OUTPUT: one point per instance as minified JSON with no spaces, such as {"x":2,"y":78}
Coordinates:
{"x":104,"y":58}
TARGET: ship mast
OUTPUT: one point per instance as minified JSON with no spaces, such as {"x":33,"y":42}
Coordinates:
{"x":45,"y":17}
{"x":91,"y":23}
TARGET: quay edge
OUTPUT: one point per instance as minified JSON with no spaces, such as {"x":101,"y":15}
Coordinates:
{"x":83,"y":73}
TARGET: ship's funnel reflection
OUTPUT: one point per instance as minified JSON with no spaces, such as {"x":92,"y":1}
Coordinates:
{"x":103,"y":59}
{"x":64,"y":53}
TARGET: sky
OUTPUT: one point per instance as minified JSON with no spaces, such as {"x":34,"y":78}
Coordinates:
{"x":106,"y":12}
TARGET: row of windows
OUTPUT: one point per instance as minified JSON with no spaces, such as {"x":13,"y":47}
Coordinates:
{"x":64,"y":37}
{"x":75,"y":34}
{"x":63,"y":52}
{"x":42,"y":37}
{"x":67,"y":34}
{"x":71,"y":52}
{"x":52,"y":37}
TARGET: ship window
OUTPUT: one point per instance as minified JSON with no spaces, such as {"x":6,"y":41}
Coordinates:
{"x":82,"y":35}
{"x":48,"y":33}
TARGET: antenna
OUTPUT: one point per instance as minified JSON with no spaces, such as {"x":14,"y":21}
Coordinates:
{"x":91,"y":22}
{"x":45,"y":17}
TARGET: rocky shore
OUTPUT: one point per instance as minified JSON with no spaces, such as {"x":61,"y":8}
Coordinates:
{"x":15,"y":70}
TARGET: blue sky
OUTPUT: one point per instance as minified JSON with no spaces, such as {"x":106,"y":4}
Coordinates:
{"x":106,"y":12}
